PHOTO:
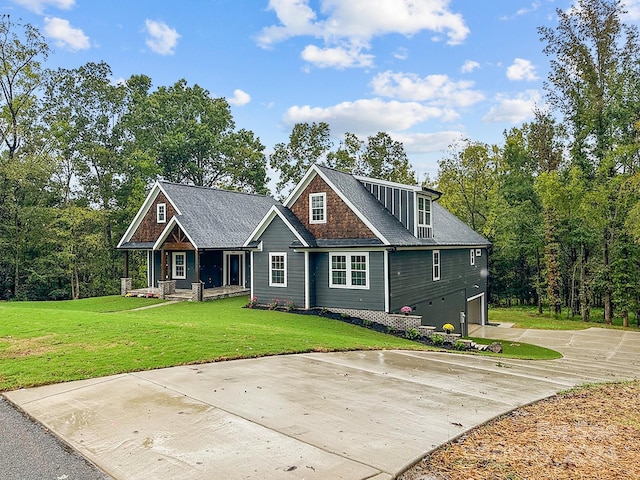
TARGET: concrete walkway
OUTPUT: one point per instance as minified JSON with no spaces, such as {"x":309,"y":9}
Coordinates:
{"x":354,"y":415}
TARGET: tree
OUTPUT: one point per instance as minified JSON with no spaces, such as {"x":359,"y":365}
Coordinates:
{"x":467,"y":176}
{"x":380,"y":157}
{"x":309,"y":143}
{"x":191,"y":136}
{"x":593,"y":82}
{"x":22,"y":49}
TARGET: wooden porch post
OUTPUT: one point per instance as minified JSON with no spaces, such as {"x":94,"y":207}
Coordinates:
{"x":164,"y":264}
{"x":126,"y":264}
{"x":197,"y":253}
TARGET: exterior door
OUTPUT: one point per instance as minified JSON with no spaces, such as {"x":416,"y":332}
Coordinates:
{"x":234,"y":269}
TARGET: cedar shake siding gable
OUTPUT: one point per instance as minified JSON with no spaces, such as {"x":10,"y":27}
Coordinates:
{"x":149,"y":229}
{"x":341,"y":222}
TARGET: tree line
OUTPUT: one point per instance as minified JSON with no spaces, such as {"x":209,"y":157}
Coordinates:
{"x":559,"y":198}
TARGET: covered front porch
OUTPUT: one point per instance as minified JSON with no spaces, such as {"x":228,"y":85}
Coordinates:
{"x":187,"y":295}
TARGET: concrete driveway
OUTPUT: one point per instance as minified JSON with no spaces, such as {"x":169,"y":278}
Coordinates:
{"x":354,"y":415}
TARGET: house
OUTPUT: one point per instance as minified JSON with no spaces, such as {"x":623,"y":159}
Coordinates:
{"x":369,"y":247}
{"x":194,"y":235}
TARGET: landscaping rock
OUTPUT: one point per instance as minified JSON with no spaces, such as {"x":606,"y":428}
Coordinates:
{"x":495,"y":347}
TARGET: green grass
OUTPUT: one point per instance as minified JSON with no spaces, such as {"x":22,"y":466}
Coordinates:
{"x":528,"y":317}
{"x":50,"y":342}
{"x":524,"y":351}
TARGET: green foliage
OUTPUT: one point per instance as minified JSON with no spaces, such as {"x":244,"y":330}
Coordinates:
{"x":412,"y":333}
{"x":437,"y":339}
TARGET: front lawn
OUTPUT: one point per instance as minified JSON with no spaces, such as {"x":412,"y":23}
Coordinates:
{"x":50,"y":342}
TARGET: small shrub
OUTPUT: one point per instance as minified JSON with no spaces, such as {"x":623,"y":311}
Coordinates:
{"x":289,"y":306}
{"x":366,"y":323}
{"x":391,"y":330}
{"x":412,"y":334}
{"x":437,"y":339}
{"x":459,"y":345}
{"x":324,"y":311}
{"x":345,"y":316}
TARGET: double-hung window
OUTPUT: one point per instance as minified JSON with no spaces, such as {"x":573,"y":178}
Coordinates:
{"x":436,"y":265}
{"x":277,"y":269}
{"x":424,"y":229}
{"x":349,"y":270}
{"x":161,"y":213}
{"x":179,"y":265}
{"x":472,"y":256}
{"x":318,"y":208}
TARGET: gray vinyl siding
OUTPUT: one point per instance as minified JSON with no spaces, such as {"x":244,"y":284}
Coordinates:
{"x":191,"y":269}
{"x":357,"y":298}
{"x":277,"y":238}
{"x":441,"y":301}
{"x":399,"y":202}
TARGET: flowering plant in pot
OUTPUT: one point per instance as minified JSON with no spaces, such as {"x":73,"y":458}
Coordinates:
{"x":448,"y":328}
{"x":406,"y":310}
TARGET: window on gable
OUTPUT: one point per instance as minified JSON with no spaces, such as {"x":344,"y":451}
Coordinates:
{"x":436,"y":265}
{"x":277,"y":269}
{"x":161,"y":213}
{"x":318,"y":208}
{"x":349,"y":270}
{"x":424,"y":217}
{"x":179,"y":265}
{"x":472,"y":256}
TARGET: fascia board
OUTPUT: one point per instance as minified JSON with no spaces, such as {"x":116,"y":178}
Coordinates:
{"x":167,"y":230}
{"x":133,"y":226}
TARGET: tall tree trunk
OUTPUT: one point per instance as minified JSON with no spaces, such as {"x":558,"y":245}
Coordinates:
{"x":585,"y":307}
{"x":608,"y":303}
{"x":539,"y":281}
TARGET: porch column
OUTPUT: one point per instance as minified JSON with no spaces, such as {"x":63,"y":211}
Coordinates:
{"x":163,"y":259}
{"x":197,"y":260}
{"x":125,"y":286}
{"x":126,"y":264}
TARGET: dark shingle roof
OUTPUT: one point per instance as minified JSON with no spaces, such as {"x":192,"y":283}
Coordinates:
{"x":215,"y":218}
{"x":297,"y":225}
{"x":448,"y":230}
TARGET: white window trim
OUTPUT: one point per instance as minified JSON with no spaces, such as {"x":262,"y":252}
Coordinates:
{"x":277,"y":254}
{"x":427,"y":199}
{"x":174,"y":275}
{"x":436,"y":265}
{"x":472,"y":256}
{"x":161,"y":213}
{"x":324,"y":207}
{"x":349,"y":255}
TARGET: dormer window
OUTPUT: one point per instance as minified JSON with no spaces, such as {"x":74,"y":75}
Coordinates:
{"x":424,"y":229}
{"x":161,"y":213}
{"x":318,"y":208}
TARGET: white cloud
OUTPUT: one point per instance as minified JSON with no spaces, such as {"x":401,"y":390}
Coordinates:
{"x":38,"y":6}
{"x":469,"y":66}
{"x":162,"y":38}
{"x":352,"y":24}
{"x":336,"y":57}
{"x":515,"y":109}
{"x":437,"y":89}
{"x":522,"y":70}
{"x":239,"y":98}
{"x":64,"y":35}
{"x":401,"y":53}
{"x":368,"y":116}
{"x":417,"y":143}
{"x":633,"y":10}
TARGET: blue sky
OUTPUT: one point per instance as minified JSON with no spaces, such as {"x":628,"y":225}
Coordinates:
{"x":428,"y":72}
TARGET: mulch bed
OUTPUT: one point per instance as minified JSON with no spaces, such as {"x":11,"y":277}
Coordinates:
{"x":589,"y":433}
